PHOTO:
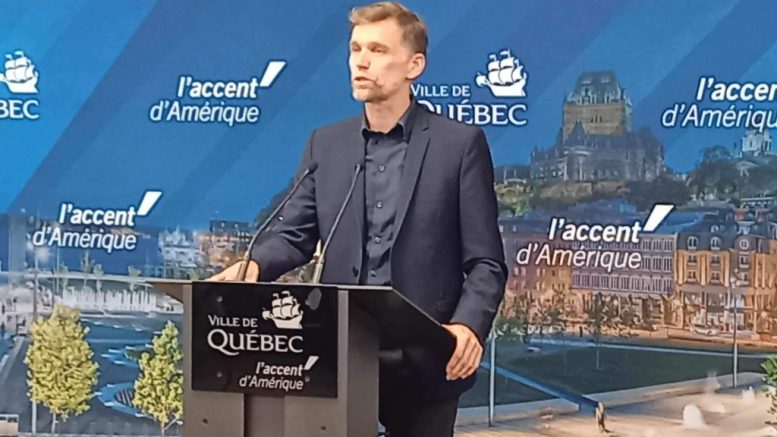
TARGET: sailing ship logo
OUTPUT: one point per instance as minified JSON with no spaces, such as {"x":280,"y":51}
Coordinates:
{"x":20,"y":76}
{"x":505,"y":77}
{"x":285,"y":311}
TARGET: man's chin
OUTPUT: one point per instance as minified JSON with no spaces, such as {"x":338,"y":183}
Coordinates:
{"x":357,"y":96}
{"x":361,"y":95}
{"x":366,"y":96}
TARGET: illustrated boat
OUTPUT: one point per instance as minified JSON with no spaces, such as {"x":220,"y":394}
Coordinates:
{"x":505,"y":77}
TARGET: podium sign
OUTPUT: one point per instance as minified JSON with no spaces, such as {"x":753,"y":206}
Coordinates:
{"x":292,"y":360}
{"x":281,"y":341}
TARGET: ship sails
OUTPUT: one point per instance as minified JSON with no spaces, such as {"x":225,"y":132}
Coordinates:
{"x":284,"y":307}
{"x":19,"y":69}
{"x":504,"y":71}
{"x":505,"y":76}
{"x":493,"y":70}
{"x":289,"y":306}
{"x":509,"y":68}
{"x":19,"y":74}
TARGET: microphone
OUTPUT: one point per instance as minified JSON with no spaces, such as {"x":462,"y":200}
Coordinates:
{"x":319,"y":267}
{"x":241,"y":274}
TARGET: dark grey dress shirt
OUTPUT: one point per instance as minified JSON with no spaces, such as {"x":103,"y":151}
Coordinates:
{"x":384,"y":163}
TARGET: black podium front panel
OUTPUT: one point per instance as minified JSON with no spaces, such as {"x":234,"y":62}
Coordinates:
{"x":267,"y":339}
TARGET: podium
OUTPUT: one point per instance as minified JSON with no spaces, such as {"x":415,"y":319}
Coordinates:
{"x":291,"y":360}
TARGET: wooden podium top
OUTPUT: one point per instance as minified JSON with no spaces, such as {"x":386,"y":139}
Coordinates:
{"x":174,"y":287}
{"x":170,"y":287}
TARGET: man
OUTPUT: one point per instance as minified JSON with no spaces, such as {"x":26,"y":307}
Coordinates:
{"x":423,"y":218}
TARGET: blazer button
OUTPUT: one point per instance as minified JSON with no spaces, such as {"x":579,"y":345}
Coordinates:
{"x":355,"y":271}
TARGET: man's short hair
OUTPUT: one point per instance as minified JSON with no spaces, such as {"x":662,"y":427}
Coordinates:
{"x":413,"y":28}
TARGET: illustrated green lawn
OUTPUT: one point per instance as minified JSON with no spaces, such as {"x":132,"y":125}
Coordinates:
{"x":506,"y":392}
{"x":621,"y":369}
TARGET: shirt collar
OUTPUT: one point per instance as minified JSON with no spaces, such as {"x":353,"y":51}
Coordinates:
{"x":405,"y":123}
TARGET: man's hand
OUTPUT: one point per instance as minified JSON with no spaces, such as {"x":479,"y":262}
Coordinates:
{"x":466,"y":357}
{"x":230,"y":273}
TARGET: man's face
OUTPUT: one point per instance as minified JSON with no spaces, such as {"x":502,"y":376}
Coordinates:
{"x":379,"y":61}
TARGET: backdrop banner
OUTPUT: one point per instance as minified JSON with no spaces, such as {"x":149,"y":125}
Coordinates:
{"x":635,"y":171}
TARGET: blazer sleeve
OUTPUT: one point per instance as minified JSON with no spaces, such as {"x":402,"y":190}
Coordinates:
{"x":483,"y":260}
{"x":291,"y":240}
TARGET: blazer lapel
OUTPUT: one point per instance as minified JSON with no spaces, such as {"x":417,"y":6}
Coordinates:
{"x":414,"y":158}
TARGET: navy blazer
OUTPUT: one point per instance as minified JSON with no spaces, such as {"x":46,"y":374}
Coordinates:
{"x":447,"y":255}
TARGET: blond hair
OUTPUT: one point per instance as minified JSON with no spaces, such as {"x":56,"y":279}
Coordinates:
{"x":413,"y":28}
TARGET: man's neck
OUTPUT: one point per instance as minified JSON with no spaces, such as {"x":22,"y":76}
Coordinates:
{"x":383,"y":116}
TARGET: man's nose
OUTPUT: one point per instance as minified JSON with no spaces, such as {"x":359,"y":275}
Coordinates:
{"x":362,"y":59}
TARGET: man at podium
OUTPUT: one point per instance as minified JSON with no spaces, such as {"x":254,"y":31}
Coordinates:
{"x":420,"y":215}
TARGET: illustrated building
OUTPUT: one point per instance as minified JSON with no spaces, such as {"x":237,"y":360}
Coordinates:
{"x":729,"y":262}
{"x":599,"y":103}
{"x":595,"y":141}
{"x":755,"y":143}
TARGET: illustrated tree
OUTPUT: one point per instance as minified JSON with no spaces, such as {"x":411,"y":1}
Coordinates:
{"x":61,"y":372}
{"x":133,"y":273}
{"x":612,"y":315}
{"x":770,"y":367}
{"x":194,"y":274}
{"x":159,"y":387}
{"x":514,"y":198}
{"x":557,"y":318}
{"x":87,"y":264}
{"x":669,"y":304}
{"x":595,"y":321}
{"x":628,"y":321}
{"x":558,"y":311}
{"x":685,"y":309}
{"x":99,"y":273}
{"x":541,"y":316}
{"x":571,"y":311}
{"x":550,"y":314}
{"x":62,"y":273}
{"x":513,"y":323}
{"x":716,"y":175}
{"x":664,"y":189}
{"x":762,"y":179}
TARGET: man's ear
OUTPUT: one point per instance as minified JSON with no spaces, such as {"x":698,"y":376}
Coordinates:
{"x":417,"y":65}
